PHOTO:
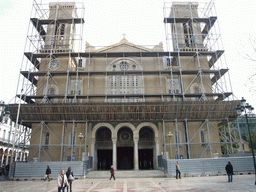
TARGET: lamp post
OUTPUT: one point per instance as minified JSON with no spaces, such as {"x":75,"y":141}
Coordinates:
{"x":80,"y":136}
{"x":170,"y":135}
{"x":245,"y":107}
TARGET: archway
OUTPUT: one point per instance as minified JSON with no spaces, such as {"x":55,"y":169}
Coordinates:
{"x":125,"y":149}
{"x":104,"y":148}
{"x":146,"y":146}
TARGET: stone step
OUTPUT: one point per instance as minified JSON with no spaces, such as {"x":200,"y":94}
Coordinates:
{"x":126,"y":174}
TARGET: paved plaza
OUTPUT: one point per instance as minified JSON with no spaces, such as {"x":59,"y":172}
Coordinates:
{"x":213,"y":183}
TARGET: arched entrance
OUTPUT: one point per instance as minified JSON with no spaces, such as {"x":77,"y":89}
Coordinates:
{"x":146,"y":148}
{"x":104,"y":148}
{"x":125,"y":149}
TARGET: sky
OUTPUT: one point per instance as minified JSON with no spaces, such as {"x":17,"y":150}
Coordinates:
{"x":142,"y":21}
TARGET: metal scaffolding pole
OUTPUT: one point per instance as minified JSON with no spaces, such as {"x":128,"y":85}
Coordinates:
{"x":62,"y":141}
{"x":40,"y":142}
{"x":164,"y":142}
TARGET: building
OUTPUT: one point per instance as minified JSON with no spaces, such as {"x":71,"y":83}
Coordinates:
{"x":123,"y":104}
{"x":8,"y":141}
{"x":239,"y":131}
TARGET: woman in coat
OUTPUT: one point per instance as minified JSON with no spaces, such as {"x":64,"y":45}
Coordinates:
{"x":70,"y":179}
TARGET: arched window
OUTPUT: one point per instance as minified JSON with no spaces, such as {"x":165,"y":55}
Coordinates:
{"x":51,"y":91}
{"x":46,"y":139}
{"x":125,"y":84}
{"x":103,"y":134}
{"x":146,"y":134}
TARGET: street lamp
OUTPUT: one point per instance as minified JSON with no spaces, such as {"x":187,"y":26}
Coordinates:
{"x":80,"y":136}
{"x":245,"y":107}
{"x":170,"y":135}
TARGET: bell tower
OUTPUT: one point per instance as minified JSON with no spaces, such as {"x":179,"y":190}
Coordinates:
{"x":58,"y":38}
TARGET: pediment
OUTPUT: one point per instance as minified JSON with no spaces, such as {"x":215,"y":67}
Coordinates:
{"x":124,"y":46}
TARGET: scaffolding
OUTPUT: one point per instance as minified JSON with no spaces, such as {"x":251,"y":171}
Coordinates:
{"x":190,"y":93}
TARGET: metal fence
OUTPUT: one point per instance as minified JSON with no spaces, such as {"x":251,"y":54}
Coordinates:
{"x":209,"y":166}
{"x":38,"y":169}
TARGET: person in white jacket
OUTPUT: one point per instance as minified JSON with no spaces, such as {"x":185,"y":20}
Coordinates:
{"x":62,"y":181}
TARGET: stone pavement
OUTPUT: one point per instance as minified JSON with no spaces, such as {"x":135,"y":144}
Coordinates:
{"x":213,"y":183}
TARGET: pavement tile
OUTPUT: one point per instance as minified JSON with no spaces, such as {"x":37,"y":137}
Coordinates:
{"x":191,"y":184}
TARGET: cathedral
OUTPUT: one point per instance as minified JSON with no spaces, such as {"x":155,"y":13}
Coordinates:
{"x":124,"y":105}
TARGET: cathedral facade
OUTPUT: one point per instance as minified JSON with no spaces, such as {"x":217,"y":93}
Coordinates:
{"x":124,"y":104}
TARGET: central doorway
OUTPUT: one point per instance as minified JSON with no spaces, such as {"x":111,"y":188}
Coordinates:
{"x":104,"y":159}
{"x":125,"y":158}
{"x":146,"y":159}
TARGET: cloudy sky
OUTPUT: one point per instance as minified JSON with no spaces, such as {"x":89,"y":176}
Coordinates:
{"x":142,"y":22}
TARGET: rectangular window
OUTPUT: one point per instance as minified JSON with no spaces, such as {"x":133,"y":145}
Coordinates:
{"x":46,"y":137}
{"x":203,"y":137}
{"x":168,"y":61}
{"x":80,"y":63}
{"x":62,"y":29}
{"x":186,"y":37}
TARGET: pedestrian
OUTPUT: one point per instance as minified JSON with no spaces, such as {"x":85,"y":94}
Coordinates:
{"x":62,"y":181}
{"x":48,"y":173}
{"x":70,"y":178}
{"x":229,"y":169}
{"x":112,"y":171}
{"x":177,"y":170}
{"x":7,"y":167}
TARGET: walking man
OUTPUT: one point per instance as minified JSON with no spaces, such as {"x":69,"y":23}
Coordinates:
{"x":48,"y":173}
{"x":112,"y":171}
{"x":229,"y":169}
{"x":178,"y":170}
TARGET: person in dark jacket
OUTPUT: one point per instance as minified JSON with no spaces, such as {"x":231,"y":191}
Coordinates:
{"x":48,"y":173}
{"x":68,"y":173}
{"x":112,"y":172}
{"x":229,"y":169}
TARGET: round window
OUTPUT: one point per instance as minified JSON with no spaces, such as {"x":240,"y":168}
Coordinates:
{"x":54,"y":64}
{"x":124,"y":66}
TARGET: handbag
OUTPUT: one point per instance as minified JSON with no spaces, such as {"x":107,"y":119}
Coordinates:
{"x":45,"y":176}
{"x":71,"y":178}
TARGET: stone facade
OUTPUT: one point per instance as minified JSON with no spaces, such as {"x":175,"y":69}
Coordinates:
{"x":122,"y":123}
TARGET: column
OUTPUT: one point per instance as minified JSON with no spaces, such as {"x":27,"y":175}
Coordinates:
{"x":24,"y":156}
{"x":136,"y":154}
{"x":93,"y":154}
{"x":20,"y":153}
{"x":114,"y":153}
{"x":7,"y":156}
{"x":157,"y":151}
